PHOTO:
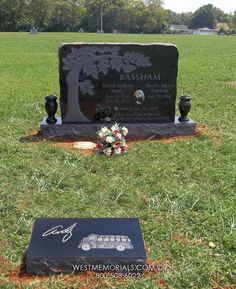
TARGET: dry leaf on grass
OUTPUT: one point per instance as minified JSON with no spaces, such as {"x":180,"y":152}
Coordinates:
{"x":211,"y":245}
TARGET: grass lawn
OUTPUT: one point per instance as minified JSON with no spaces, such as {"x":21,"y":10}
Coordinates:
{"x":182,"y":191}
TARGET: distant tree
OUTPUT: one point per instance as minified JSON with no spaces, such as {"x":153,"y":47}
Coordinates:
{"x":157,"y":17}
{"x":220,"y":15}
{"x":112,"y":16}
{"x":92,"y":17}
{"x":233,"y":20}
{"x":185,"y":18}
{"x":173,"y":17}
{"x":150,"y":25}
{"x":161,"y":18}
{"x":133,"y":16}
{"x":65,"y":15}
{"x":204,"y":17}
{"x":232,"y":31}
{"x":207,"y":16}
{"x":12,"y":15}
{"x":154,"y":3}
{"x":38,"y":13}
{"x":178,"y":18}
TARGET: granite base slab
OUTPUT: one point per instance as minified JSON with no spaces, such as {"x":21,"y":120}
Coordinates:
{"x":76,"y":130}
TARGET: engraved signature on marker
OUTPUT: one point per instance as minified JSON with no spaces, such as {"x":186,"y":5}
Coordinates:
{"x":60,"y":230}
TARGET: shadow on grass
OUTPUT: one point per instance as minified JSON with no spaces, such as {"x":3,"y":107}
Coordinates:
{"x":33,"y":136}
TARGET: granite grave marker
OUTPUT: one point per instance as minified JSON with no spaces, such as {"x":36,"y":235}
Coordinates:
{"x":132,"y":84}
{"x":66,"y":245}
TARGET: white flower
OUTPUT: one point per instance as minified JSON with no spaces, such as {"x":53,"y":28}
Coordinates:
{"x":109,"y":139}
{"x":107,"y":151}
{"x":100,"y":134}
{"x":114,"y":127}
{"x":104,"y":129}
{"x":124,"y":130}
{"x":117,"y":151}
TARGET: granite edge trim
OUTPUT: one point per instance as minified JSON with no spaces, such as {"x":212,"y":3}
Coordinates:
{"x":75,"y":130}
{"x":47,"y":266}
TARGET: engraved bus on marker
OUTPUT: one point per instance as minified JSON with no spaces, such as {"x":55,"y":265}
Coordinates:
{"x":94,"y":241}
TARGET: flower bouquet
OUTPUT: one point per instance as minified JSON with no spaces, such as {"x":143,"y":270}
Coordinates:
{"x":112,"y":140}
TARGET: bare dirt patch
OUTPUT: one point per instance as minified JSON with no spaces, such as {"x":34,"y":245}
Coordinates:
{"x":184,"y":240}
{"x":232,"y":84}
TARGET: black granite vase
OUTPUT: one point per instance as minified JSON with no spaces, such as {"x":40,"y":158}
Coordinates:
{"x":184,"y":107}
{"x":51,"y":108}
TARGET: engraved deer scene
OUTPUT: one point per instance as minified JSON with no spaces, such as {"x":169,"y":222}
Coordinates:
{"x":90,"y":62}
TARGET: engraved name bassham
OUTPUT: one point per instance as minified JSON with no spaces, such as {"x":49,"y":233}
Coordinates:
{"x":140,"y":77}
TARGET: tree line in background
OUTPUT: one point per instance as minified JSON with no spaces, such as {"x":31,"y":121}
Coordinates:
{"x":133,"y":16}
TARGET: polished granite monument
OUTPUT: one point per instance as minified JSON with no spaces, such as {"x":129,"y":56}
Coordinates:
{"x":70,"y":245}
{"x":131,"y":84}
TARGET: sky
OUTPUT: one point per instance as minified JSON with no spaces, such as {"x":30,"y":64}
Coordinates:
{"x":192,"y":5}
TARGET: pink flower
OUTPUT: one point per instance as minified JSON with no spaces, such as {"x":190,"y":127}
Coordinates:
{"x":118,"y":135}
{"x":123,"y":149}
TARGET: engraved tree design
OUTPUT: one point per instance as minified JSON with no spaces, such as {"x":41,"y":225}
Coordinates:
{"x":92,"y":61}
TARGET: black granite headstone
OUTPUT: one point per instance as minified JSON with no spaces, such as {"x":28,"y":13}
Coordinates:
{"x":74,"y":245}
{"x":131,"y":84}
{"x":118,"y":82}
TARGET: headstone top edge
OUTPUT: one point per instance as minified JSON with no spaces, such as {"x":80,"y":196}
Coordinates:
{"x":118,"y":43}
{"x":89,"y":218}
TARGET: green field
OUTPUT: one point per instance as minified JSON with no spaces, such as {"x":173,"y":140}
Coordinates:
{"x":183,"y":191}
